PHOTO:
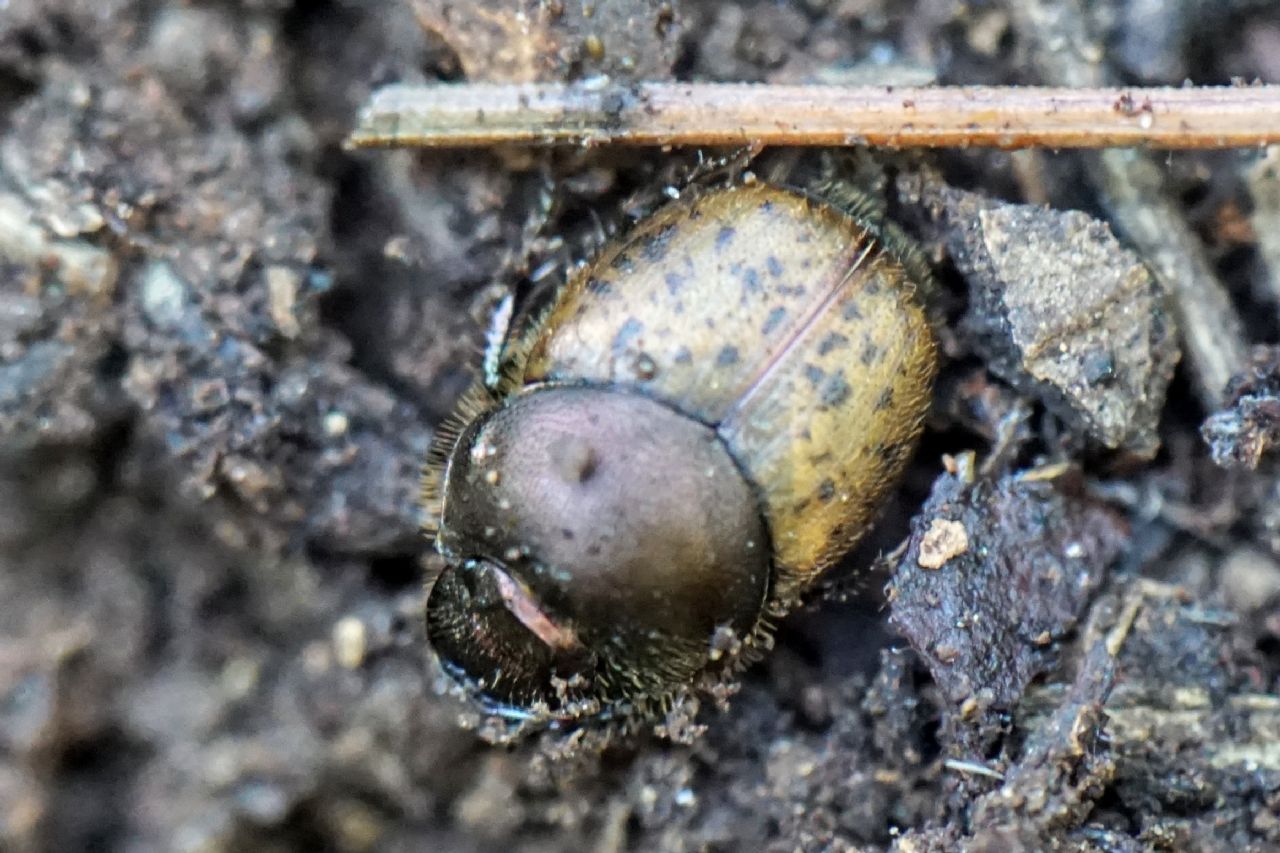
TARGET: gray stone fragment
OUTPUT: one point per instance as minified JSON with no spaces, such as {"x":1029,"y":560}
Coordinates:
{"x":1067,"y":315}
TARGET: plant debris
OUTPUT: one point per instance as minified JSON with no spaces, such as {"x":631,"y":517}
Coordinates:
{"x":1249,"y":425}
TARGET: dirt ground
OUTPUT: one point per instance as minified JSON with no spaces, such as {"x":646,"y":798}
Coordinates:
{"x":225,"y":342}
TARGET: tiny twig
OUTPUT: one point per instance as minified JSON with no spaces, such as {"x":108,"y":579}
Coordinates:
{"x":656,"y":113}
{"x":1264,"y":190}
{"x":972,"y":767}
{"x":1133,"y":188}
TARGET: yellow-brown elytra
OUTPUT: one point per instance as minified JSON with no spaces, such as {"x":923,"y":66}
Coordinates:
{"x":706,"y":418}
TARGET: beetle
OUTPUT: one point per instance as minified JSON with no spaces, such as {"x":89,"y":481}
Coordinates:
{"x":705,"y":419}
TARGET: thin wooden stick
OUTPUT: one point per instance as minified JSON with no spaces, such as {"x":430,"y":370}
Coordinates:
{"x":471,"y":114}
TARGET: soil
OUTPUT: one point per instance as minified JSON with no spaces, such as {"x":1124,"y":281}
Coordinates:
{"x":226,"y":342}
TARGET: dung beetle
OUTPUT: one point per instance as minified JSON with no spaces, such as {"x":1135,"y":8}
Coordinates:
{"x":705,"y":419}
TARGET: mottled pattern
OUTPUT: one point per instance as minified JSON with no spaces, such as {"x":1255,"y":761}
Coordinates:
{"x":828,"y":432}
{"x":778,"y":320}
{"x":708,"y":292}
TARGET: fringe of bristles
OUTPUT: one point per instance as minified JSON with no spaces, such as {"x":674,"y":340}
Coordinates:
{"x":475,"y":401}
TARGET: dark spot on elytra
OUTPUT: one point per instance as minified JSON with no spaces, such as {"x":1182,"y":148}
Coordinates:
{"x":766,"y":206}
{"x":566,"y":533}
{"x":644,"y":367}
{"x":872,"y":287}
{"x":796,"y":290}
{"x":683,"y":356}
{"x":727,"y":356}
{"x":832,"y":341}
{"x":900,"y":452}
{"x":724,"y":237}
{"x":870,"y":354}
{"x":775,"y":318}
{"x":814,"y":374}
{"x":655,"y":245}
{"x":885,"y":400}
{"x":629,"y":331}
{"x":774,"y":266}
{"x":850,"y":311}
{"x":599,"y":288}
{"x":891,"y":455}
{"x":836,"y":390}
{"x":826,"y":490}
{"x":675,"y":282}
